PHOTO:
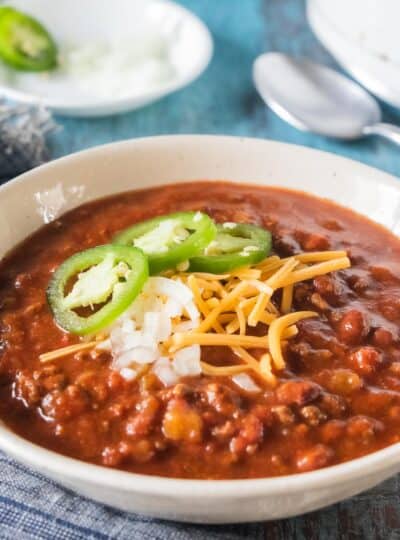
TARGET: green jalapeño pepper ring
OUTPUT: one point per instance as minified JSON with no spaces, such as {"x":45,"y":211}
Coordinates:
{"x":107,"y":277}
{"x":170,"y":240}
{"x":236,"y":245}
{"x":24,"y":43}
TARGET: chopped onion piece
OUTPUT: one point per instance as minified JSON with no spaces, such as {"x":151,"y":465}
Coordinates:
{"x":187,"y":361}
{"x":164,"y":307}
{"x":104,"y":345}
{"x":165,"y":372}
{"x":128,"y":374}
{"x":138,"y":355}
{"x":172,"y":308}
{"x":157,"y":325}
{"x":125,"y":342}
{"x":128,"y":325}
{"x":245,"y":382}
{"x":170,"y":288}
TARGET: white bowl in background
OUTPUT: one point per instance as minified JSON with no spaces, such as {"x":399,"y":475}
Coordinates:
{"x":84,"y":24}
{"x":363,"y":37}
{"x":50,"y":190}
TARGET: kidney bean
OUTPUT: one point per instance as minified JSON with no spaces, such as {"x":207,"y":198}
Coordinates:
{"x":334,"y":406}
{"x":342,"y":381}
{"x":365,"y":360}
{"x":285,"y":243}
{"x":390,"y":308}
{"x":328,"y":287}
{"x":312,"y":241}
{"x":353,"y":327}
{"x":382,"y":338}
{"x":363,"y":428}
{"x":359,"y":282}
{"x":332,"y":431}
{"x":297,"y":392}
{"x":382,"y":274}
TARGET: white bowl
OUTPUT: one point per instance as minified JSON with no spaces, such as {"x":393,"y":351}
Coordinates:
{"x":363,"y":37}
{"x":72,"y":22}
{"x":50,"y":190}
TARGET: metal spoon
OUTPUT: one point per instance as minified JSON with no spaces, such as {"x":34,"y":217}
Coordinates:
{"x":315,"y":98}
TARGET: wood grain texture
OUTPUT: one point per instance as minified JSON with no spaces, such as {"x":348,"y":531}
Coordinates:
{"x":223,"y":100}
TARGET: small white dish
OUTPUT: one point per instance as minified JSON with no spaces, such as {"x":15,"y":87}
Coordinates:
{"x":179,"y":44}
{"x":363,"y":37}
{"x":48,"y":191}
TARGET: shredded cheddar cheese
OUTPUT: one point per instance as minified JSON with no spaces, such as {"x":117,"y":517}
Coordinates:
{"x":232,"y":304}
{"x":247,"y":302}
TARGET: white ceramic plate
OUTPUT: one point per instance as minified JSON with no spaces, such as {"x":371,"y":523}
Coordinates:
{"x":48,"y":191}
{"x":75,"y":23}
{"x":373,"y":60}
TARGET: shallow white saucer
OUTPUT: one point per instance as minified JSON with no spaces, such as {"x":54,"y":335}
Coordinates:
{"x":74,"y":22}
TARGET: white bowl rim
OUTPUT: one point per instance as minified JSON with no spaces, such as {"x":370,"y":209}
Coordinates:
{"x":47,"y":461}
{"x":126,"y":102}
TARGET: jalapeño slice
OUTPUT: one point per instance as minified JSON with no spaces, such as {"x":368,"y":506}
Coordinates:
{"x":24,"y":43}
{"x":101,"y":282}
{"x":170,"y":240}
{"x":236,"y":244}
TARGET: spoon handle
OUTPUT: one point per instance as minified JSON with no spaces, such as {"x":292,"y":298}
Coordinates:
{"x":388,"y":131}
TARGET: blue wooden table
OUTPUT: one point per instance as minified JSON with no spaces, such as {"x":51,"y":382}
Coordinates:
{"x":224,"y":101}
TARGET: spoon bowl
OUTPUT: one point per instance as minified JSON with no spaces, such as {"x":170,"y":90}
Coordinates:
{"x":315,"y":98}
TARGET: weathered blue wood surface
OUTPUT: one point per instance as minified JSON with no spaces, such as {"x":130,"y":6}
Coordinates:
{"x":223,"y":100}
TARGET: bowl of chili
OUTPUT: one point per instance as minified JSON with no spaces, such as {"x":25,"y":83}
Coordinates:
{"x":260,"y":426}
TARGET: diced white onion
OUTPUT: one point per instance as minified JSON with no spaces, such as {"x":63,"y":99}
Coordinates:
{"x":127,"y":325}
{"x":165,"y":372}
{"x":165,"y":306}
{"x":104,"y":345}
{"x":186,"y":361}
{"x":170,"y":288}
{"x":157,"y":325}
{"x":245,"y":382}
{"x":172,"y":308}
{"x":192,"y":311}
{"x":138,"y":355}
{"x":124,"y":342}
{"x":128,"y":374}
